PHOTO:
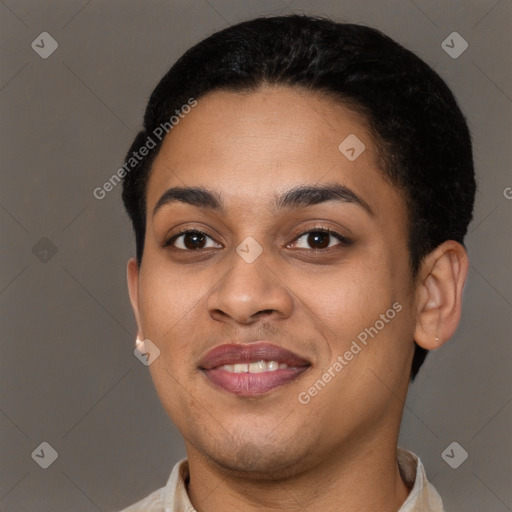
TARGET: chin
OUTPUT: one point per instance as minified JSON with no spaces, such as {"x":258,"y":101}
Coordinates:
{"x":249,"y":460}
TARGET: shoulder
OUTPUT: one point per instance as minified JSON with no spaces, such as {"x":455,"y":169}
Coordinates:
{"x":152,"y":503}
{"x":423,"y":497}
{"x":169,"y":498}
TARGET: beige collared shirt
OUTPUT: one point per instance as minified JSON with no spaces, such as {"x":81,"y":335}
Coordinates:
{"x":174,"y":498}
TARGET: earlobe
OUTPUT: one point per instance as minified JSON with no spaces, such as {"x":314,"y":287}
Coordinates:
{"x":132,"y":277}
{"x":439,"y":294}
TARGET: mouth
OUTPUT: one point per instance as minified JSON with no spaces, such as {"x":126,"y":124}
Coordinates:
{"x":251,"y":369}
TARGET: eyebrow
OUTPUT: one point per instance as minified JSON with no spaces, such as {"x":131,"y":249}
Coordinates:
{"x":195,"y":196}
{"x":297,"y":197}
{"x":303,"y":196}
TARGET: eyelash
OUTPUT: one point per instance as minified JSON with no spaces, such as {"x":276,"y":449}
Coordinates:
{"x":343,"y":241}
{"x":325,"y":231}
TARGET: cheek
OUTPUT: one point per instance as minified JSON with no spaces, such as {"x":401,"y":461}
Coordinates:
{"x":164,"y":305}
{"x":167,"y":300}
{"x":368,"y":303}
{"x":173,"y":314}
{"x":352,"y":298}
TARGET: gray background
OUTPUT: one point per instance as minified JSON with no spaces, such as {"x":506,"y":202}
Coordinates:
{"x":68,"y":373}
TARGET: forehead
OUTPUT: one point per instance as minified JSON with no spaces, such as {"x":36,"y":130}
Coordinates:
{"x":248,"y":146}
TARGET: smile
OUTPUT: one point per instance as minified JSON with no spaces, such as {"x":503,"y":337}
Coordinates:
{"x":251,"y":369}
{"x":256,"y":367}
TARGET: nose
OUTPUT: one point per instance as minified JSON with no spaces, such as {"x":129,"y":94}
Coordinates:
{"x":248,"y":292}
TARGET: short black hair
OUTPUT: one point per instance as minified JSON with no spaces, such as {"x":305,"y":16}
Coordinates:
{"x":421,"y":133}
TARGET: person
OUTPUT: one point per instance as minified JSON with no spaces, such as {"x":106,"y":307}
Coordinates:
{"x":299,"y":195}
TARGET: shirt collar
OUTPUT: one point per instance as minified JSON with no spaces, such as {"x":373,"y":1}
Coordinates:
{"x":174,"y":498}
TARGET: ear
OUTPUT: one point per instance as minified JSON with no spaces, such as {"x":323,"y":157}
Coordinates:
{"x":132,"y":275}
{"x":439,"y":289}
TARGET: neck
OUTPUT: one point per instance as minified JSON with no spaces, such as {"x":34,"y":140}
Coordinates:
{"x":357,"y":478}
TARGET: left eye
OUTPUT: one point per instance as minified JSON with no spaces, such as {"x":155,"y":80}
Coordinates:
{"x":319,"y":239}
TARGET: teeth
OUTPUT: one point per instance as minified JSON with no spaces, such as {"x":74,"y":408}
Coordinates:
{"x":258,"y":367}
{"x":254,"y":367}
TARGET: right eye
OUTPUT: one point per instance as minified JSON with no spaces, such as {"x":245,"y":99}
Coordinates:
{"x":191,"y":240}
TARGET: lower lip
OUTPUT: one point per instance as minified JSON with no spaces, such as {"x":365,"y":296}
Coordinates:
{"x":253,"y":384}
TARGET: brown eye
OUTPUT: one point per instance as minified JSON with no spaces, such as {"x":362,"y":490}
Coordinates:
{"x":192,"y":240}
{"x":320,"y":239}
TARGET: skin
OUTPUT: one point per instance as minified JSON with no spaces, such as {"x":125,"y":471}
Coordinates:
{"x":338,"y":452}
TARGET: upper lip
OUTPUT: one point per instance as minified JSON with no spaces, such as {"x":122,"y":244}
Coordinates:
{"x":236,"y":353}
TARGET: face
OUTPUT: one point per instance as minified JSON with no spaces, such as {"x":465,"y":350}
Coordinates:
{"x":294,"y":253}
